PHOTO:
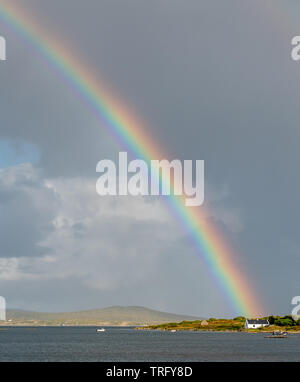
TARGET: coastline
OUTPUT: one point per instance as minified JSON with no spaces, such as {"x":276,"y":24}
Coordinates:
{"x":69,"y":324}
{"x":138,"y":327}
{"x":217,"y":331}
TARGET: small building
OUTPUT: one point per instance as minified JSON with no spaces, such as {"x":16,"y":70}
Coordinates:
{"x":254,"y":324}
{"x":204,"y":323}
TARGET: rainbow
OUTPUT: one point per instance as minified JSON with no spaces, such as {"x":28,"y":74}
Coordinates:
{"x":133,"y":134}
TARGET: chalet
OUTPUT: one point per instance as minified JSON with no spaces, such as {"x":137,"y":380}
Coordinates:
{"x":254,"y":324}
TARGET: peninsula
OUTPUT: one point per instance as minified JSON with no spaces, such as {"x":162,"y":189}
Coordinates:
{"x":237,"y":324}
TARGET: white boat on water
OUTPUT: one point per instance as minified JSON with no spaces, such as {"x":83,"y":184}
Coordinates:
{"x":173,"y":331}
{"x":101,"y":330}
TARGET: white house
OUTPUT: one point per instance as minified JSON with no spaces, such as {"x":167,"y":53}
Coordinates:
{"x":254,"y":324}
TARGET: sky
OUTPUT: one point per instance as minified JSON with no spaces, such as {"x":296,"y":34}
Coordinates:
{"x":213,"y":81}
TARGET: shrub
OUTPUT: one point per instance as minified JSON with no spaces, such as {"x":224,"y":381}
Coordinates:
{"x":284,"y":321}
{"x":172,"y":324}
{"x":240,"y":318}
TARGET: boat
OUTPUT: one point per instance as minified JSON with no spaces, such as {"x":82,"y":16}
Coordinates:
{"x":101,"y":330}
{"x":277,"y":335}
{"x":173,"y":331}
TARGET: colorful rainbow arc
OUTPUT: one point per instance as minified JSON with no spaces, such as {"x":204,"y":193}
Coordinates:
{"x":120,"y":122}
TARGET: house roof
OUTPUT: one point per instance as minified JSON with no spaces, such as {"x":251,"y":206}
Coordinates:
{"x":260,"y":322}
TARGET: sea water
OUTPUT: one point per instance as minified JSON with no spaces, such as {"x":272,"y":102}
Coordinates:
{"x":69,"y":344}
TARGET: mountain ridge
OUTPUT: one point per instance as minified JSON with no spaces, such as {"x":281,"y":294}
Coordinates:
{"x":112,"y":315}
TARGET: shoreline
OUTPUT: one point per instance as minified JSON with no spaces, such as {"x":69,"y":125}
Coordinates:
{"x":16,"y":325}
{"x":135,"y":327}
{"x":139,"y":327}
{"x":217,"y":331}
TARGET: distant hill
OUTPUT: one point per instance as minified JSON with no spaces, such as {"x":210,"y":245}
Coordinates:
{"x":114,"y":315}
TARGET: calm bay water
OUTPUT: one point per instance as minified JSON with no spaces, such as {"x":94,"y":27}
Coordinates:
{"x":68,"y":344}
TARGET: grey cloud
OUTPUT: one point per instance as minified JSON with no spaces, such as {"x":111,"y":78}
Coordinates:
{"x":22,"y":220}
{"x":111,"y":247}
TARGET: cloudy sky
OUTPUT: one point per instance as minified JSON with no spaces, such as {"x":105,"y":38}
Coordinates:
{"x":214,"y":80}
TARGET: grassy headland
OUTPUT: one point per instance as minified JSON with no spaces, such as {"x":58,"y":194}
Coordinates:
{"x":237,"y":324}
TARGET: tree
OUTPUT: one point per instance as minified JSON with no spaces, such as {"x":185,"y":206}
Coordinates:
{"x":271,"y":320}
{"x":240,"y":318}
{"x":285,"y":321}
